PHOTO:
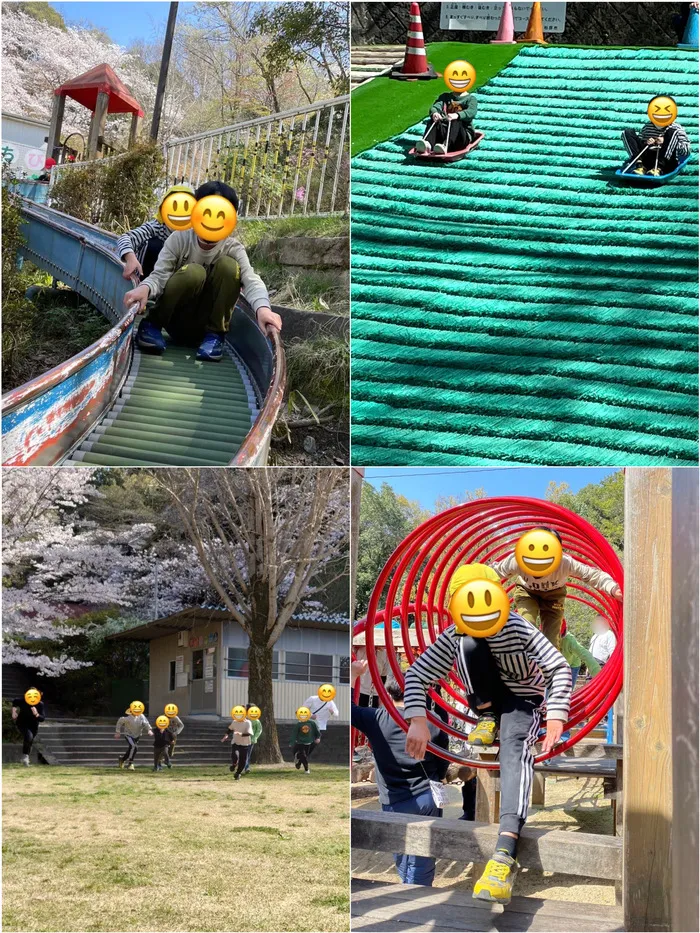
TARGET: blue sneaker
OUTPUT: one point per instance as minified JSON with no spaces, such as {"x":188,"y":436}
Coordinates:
{"x":211,"y":348}
{"x":149,"y":338}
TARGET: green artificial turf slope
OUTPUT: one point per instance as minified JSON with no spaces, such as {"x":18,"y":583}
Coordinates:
{"x":384,"y":106}
{"x":519,"y":306}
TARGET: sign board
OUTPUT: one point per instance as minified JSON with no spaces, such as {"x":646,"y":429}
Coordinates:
{"x":485,"y":17}
{"x":208,"y":686}
{"x":179,"y":664}
{"x":181,"y":679}
{"x":208,"y":666}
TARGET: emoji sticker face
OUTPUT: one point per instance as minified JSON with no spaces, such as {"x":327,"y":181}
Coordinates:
{"x":459,"y":76}
{"x":32,"y":696}
{"x":171,"y":710}
{"x":136,"y":708}
{"x":254,"y":712}
{"x":176,"y":210}
{"x":162,"y":722}
{"x":479,"y":608}
{"x":538,"y":552}
{"x":326,"y":692}
{"x":238,"y":713}
{"x":662,"y":111}
{"x":303,"y":714}
{"x":214,"y":218}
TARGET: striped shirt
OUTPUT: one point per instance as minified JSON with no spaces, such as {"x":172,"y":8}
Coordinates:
{"x":136,"y":241}
{"x":553,"y":581}
{"x":679,"y":143}
{"x":528,"y":663}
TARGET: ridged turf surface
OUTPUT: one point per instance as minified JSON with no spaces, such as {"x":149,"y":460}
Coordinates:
{"x":517,"y":307}
{"x":173,"y":411}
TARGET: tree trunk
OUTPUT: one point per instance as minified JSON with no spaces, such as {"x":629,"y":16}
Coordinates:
{"x":267,"y":750}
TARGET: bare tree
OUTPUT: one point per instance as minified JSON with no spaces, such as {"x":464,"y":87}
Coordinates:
{"x":263,"y":536}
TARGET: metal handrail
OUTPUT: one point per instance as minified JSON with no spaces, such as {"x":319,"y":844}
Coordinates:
{"x":254,"y":448}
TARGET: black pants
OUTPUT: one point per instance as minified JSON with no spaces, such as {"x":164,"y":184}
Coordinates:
{"x":132,"y":748}
{"x":153,"y":248}
{"x":469,"y":800}
{"x":668,"y":154}
{"x":171,"y":749}
{"x":160,"y":754}
{"x":239,"y":756}
{"x":460,"y":134}
{"x":28,"y":736}
{"x":302,"y":753}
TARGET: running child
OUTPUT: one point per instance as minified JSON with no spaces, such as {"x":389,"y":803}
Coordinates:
{"x":28,"y":712}
{"x":506,"y":664}
{"x":322,"y":708}
{"x":241,"y":732}
{"x":542,"y":570}
{"x":661,"y":143}
{"x":254,"y":713}
{"x":139,"y":248}
{"x":197,"y":280}
{"x":131,"y":727}
{"x":176,"y":726}
{"x":304,"y":736}
{"x":162,"y":739}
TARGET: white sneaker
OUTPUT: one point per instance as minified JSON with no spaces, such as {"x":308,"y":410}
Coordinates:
{"x":440,"y":149}
{"x":25,"y":760}
{"x":423,"y":146}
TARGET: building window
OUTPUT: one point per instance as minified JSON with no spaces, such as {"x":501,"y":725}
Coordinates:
{"x":237,"y":663}
{"x":321,"y":667}
{"x":308,"y":668}
{"x":171,"y":676}
{"x":197,"y":665}
{"x":344,"y":670}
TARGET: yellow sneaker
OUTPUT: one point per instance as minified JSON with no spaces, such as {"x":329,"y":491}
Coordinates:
{"x":639,"y":169}
{"x":496,"y":883}
{"x":484,"y":733}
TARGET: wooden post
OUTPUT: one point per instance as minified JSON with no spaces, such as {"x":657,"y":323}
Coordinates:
{"x":684,"y":655}
{"x":54,"y":139}
{"x":488,"y":792}
{"x":647,"y":747}
{"x":538,"y":788}
{"x":135,"y":128}
{"x":356,"y":479}
{"x":97,"y":125}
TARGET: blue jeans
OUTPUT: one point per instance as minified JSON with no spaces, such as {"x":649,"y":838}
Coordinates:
{"x":415,"y":869}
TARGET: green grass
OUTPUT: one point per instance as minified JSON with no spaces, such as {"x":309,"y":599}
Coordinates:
{"x":252,"y":231}
{"x":186,"y":849}
{"x":383,"y":107}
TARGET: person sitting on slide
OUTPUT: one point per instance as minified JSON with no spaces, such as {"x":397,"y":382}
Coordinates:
{"x":453,"y":112}
{"x":139,"y":248}
{"x":196,"y":282}
{"x":505,"y":664}
{"x":661,"y":143}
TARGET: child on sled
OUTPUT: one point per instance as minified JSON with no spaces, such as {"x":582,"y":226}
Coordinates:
{"x":451,"y":124}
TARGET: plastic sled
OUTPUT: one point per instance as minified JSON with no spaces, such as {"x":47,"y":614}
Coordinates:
{"x":652,"y":179}
{"x":448,"y":156}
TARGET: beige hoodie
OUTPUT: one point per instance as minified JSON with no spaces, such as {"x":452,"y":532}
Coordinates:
{"x":568,"y":568}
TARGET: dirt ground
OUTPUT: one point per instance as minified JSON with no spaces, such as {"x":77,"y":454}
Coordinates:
{"x":573,"y":805}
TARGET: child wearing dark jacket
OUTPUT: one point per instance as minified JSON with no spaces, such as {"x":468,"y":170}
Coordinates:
{"x":452,"y":117}
{"x":304,"y":735}
{"x":27,"y":718}
{"x":163,"y":737}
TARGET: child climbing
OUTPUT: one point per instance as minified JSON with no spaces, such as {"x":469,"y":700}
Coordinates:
{"x":28,"y":712}
{"x":197,"y":279}
{"x":661,"y":143}
{"x":451,"y":116}
{"x":304,"y":735}
{"x":254,"y":713}
{"x":162,"y":739}
{"x":139,"y":248}
{"x":131,"y":727}
{"x":506,"y":664}
{"x":241,"y":732}
{"x":542,"y":570}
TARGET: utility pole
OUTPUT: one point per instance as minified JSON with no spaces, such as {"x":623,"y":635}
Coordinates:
{"x":164,"y":65}
{"x":155,"y":576}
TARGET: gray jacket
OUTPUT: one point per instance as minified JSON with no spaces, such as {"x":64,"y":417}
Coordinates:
{"x":135,"y":726}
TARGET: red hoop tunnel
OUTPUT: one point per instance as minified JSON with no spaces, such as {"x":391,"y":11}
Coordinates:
{"x":414,"y":583}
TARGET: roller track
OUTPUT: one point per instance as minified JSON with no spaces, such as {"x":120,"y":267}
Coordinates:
{"x":112,"y":405}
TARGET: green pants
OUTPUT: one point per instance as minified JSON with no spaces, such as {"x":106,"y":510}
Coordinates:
{"x":198,"y":300}
{"x":548,"y":606}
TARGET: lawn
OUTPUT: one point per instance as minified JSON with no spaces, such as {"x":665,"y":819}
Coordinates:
{"x":186,"y":849}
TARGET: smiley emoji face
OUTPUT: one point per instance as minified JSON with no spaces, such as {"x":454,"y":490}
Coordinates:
{"x":303,"y":714}
{"x":538,"y":552}
{"x":32,"y":696}
{"x":171,"y":710}
{"x":176,"y":208}
{"x":479,"y":608}
{"x":238,"y":713}
{"x":214,"y":218}
{"x":162,"y":722}
{"x":254,"y":712}
{"x":136,"y":708}
{"x":459,"y":76}
{"x":662,"y":111}
{"x":326,"y":692}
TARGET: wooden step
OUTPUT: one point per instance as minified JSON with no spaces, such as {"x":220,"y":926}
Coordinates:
{"x":378,"y":906}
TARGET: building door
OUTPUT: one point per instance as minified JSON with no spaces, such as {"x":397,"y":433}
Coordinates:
{"x":203,"y":688}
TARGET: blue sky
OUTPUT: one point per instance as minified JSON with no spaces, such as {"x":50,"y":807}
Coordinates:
{"x":425,"y":485}
{"x":123,"y":22}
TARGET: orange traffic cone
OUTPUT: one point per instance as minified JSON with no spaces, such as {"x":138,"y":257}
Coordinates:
{"x":415,"y":64}
{"x":534,"y":25}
